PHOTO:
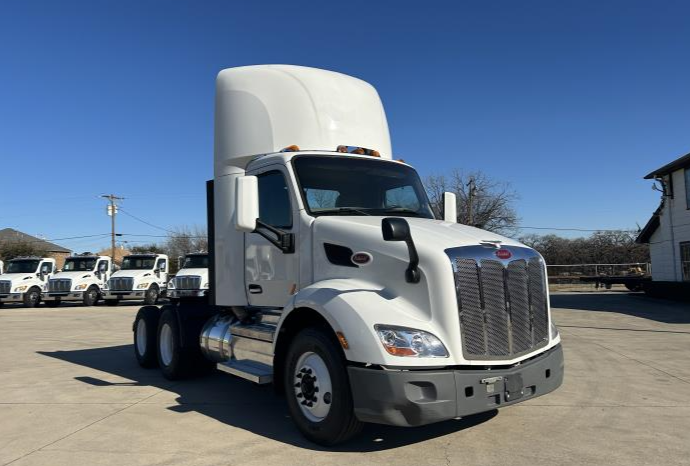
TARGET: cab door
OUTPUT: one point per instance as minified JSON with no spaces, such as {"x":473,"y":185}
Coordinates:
{"x":270,"y":274}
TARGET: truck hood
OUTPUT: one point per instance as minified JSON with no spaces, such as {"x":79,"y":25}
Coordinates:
{"x":16,"y":278}
{"x":440,"y":234}
{"x":74,"y":276}
{"x":135,"y":274}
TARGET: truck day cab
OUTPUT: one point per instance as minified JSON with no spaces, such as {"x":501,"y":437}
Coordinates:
{"x":191,"y":280}
{"x":141,"y":277}
{"x":332,"y":279}
{"x":24,"y":280}
{"x":82,"y":278}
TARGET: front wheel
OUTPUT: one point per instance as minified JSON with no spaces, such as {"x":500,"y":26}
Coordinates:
{"x":318,"y":389}
{"x":90,"y":296}
{"x":32,"y":297}
{"x":151,"y":296}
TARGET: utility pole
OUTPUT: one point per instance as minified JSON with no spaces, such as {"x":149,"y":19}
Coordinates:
{"x":112,"y":211}
{"x":471,"y":189}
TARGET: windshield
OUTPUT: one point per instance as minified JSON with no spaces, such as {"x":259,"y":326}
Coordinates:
{"x":195,"y":262}
{"x":353,"y":186}
{"x":82,"y":265}
{"x":22,"y":266}
{"x":138,"y":263}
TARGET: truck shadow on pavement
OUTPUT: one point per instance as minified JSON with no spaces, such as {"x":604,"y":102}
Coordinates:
{"x":243,"y":405}
{"x":633,"y":304}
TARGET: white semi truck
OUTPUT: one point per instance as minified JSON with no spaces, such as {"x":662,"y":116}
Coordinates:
{"x":141,"y":277}
{"x":191,"y":280}
{"x":25,"y":279}
{"x":83,"y":278}
{"x":331,"y":278}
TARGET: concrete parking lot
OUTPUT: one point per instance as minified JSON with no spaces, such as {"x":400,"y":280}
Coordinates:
{"x":71,"y":393}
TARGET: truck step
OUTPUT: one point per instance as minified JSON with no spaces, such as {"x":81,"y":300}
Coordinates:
{"x":263,"y":332}
{"x":253,"y":371}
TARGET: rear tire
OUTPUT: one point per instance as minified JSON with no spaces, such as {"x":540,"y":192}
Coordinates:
{"x":54,"y":303}
{"x":145,"y":331}
{"x":174,"y":360}
{"x":316,"y":363}
{"x":32,"y":298}
{"x":151,"y":295}
{"x":90,"y":296}
{"x":112,"y":302}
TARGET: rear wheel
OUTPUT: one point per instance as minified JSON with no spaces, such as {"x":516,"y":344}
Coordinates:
{"x":174,"y":360}
{"x":90,"y":296}
{"x":151,"y":296}
{"x":318,"y":388}
{"x":53,"y":303}
{"x":32,"y":297}
{"x":145,"y":336}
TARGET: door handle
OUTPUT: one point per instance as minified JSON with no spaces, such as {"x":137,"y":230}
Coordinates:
{"x":255,"y":289}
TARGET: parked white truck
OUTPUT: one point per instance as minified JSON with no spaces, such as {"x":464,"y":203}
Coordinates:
{"x":141,"y":277}
{"x":191,"y":280}
{"x":83,"y":278}
{"x":25,"y":279}
{"x":2,"y":267}
{"x":332,"y":279}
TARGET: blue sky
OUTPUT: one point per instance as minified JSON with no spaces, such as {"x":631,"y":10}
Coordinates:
{"x":571,"y":102}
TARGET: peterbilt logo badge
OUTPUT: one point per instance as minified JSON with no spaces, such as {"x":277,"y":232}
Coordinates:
{"x":361,"y":258}
{"x":504,"y":254}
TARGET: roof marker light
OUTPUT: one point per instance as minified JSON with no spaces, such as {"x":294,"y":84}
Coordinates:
{"x":292,"y":148}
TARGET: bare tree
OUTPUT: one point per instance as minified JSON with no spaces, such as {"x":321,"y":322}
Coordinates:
{"x":183,"y":240}
{"x":12,"y":249}
{"x":481,"y":201}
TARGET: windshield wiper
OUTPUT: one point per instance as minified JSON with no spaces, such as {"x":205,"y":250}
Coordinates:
{"x":402,"y":210}
{"x":343,"y":210}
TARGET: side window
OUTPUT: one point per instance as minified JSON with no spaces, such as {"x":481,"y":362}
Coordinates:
{"x":46,"y":267}
{"x":274,"y":200}
{"x":102,"y":266}
{"x":403,"y":196}
{"x":161,"y":264}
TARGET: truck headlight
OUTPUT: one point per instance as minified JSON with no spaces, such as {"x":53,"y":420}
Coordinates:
{"x":21,"y":288}
{"x":554,"y":331}
{"x":141,"y":286}
{"x":205,"y":285}
{"x":171,"y":284}
{"x":80,"y":287}
{"x":401,"y":341}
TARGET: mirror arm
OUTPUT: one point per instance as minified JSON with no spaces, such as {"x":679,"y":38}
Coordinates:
{"x":282,"y":240}
{"x":412,"y":274}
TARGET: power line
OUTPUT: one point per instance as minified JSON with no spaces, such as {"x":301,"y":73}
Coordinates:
{"x":145,"y":222}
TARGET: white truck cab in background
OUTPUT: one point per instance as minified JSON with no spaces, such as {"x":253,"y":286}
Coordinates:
{"x":141,"y":277}
{"x":2,"y":267}
{"x":83,"y":278}
{"x":24,"y":280}
{"x":331,"y":278}
{"x":191,"y":281}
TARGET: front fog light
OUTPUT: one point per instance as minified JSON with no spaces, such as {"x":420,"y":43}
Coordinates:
{"x":554,"y":331}
{"x":401,"y":341}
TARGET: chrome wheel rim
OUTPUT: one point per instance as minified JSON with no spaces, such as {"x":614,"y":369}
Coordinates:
{"x":313,"y":387}
{"x":166,"y":344}
{"x":141,"y":337}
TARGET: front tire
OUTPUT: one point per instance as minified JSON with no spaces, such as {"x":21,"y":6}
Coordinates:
{"x":174,"y":360}
{"x":146,"y":336}
{"x":32,"y":298}
{"x":90,"y":296}
{"x":151,"y":295}
{"x":318,"y":389}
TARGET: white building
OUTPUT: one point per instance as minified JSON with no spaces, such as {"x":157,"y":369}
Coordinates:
{"x":668,"y":231}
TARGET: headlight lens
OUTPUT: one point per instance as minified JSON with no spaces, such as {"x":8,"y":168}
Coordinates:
{"x":21,"y":288}
{"x":171,"y":284}
{"x":554,"y":331}
{"x":205,"y":285}
{"x":141,"y":286}
{"x":401,"y":341}
{"x":80,"y":287}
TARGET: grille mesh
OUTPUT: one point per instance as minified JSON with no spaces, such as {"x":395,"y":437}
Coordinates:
{"x":121,"y":284}
{"x":59,"y":285}
{"x":188,"y":282}
{"x":503,"y":308}
{"x":5,"y":286}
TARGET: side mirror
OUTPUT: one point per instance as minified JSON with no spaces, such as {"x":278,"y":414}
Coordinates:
{"x":450,"y":211}
{"x":247,"y":203}
{"x":397,"y":229}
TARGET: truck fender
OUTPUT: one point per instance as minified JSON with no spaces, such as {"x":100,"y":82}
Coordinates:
{"x":352,"y":308}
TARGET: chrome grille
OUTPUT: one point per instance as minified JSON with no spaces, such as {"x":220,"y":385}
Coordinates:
{"x":188,"y":282}
{"x":5,"y":286}
{"x":121,"y":284}
{"x":502,"y":303}
{"x":57,"y":285}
